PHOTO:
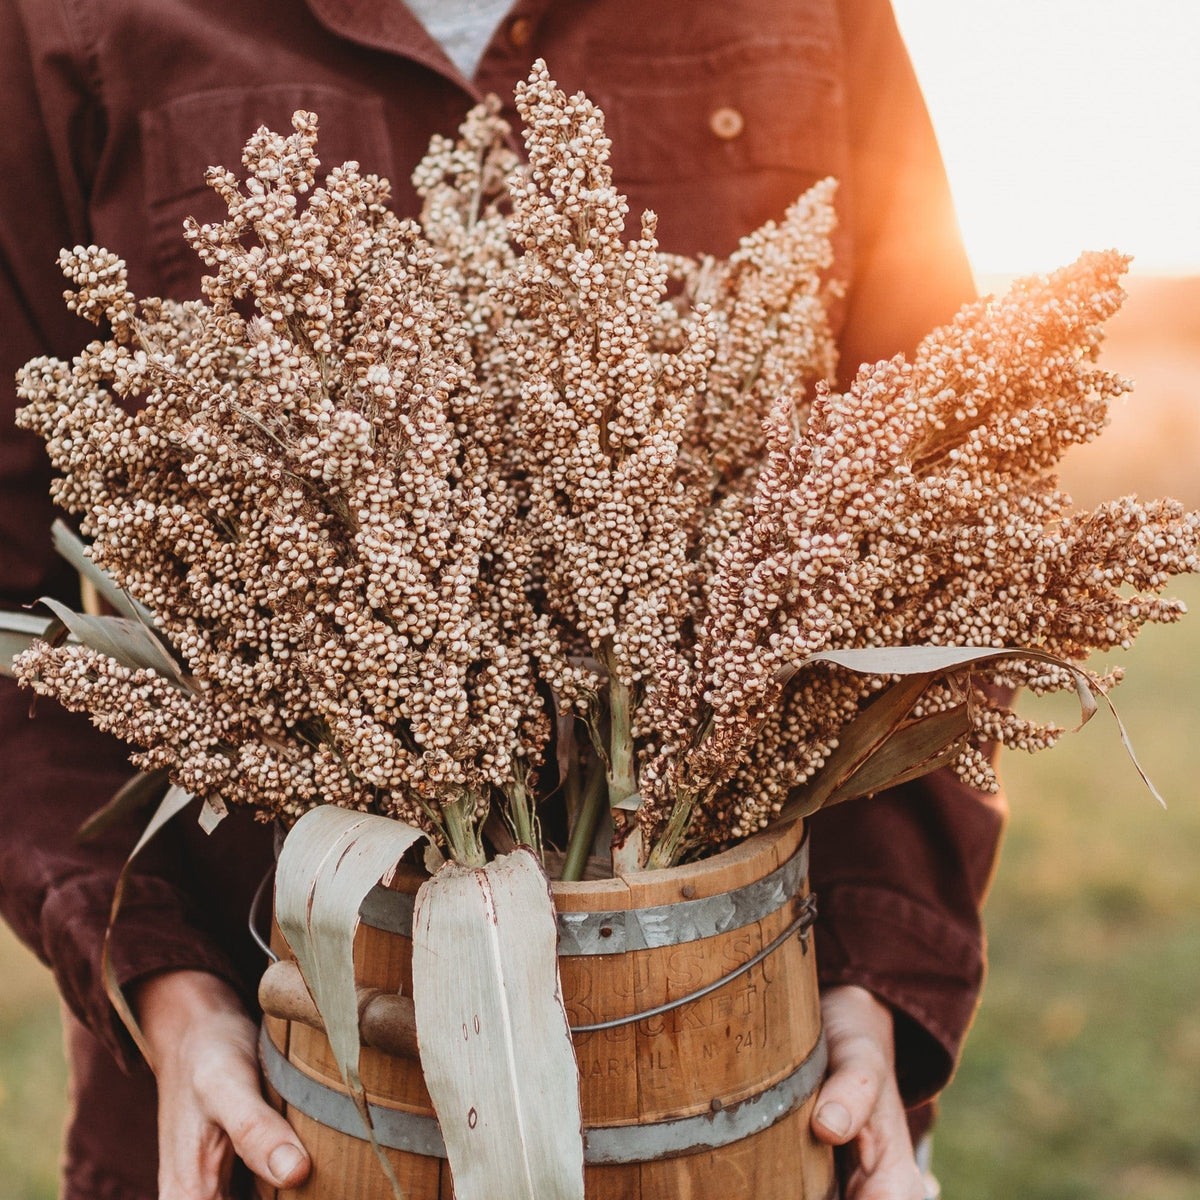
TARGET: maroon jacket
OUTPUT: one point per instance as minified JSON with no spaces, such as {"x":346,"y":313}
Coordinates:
{"x":720,"y":114}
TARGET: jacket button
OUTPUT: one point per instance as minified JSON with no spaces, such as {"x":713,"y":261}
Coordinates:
{"x":520,"y":30}
{"x":726,"y":123}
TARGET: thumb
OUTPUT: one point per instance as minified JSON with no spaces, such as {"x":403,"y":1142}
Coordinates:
{"x":261,"y":1138}
{"x":846,"y":1102}
{"x":859,"y":1035}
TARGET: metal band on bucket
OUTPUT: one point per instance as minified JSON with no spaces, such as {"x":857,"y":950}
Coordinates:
{"x":417,"y":1133}
{"x":622,"y":930}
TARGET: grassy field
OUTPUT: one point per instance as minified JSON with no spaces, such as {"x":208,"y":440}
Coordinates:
{"x":1081,"y":1079}
{"x":32,"y":1076}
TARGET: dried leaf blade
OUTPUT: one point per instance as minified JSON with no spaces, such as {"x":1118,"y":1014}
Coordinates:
{"x":933,"y":662}
{"x":122,"y":639}
{"x":858,"y":742}
{"x":173,"y":802}
{"x":330,"y":860}
{"x":18,"y":631}
{"x":915,"y":749}
{"x":73,"y":549}
{"x":134,"y":795}
{"x":495,"y":1045}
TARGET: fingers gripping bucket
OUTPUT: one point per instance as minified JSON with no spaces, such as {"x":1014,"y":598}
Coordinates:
{"x":706,"y":1092}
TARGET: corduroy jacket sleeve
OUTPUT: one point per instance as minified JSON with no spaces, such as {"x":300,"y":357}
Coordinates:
{"x":55,"y":891}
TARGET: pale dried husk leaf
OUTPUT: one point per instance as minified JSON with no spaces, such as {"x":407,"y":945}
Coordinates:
{"x":73,"y":549}
{"x":330,"y":860}
{"x":124,"y":639}
{"x":495,"y":1045}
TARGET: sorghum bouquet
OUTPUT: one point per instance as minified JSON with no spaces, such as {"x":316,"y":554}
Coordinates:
{"x":504,"y":512}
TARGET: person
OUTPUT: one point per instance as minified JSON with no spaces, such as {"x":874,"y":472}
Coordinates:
{"x":720,"y":114}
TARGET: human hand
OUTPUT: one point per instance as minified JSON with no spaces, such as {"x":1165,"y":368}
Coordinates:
{"x":203,"y":1052}
{"x":859,"y":1104}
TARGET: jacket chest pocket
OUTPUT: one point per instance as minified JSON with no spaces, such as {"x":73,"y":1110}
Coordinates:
{"x":718,"y":142}
{"x":183,"y":138}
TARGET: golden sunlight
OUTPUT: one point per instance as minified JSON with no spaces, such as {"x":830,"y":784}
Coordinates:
{"x":1065,"y":125}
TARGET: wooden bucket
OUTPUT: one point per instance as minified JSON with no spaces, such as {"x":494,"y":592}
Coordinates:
{"x":709,"y":1098}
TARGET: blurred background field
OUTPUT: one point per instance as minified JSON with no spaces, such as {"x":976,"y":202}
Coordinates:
{"x":1081,"y":1080}
{"x":32,"y":1076}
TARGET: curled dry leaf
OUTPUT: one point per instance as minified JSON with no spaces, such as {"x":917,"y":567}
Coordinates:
{"x":329,"y":861}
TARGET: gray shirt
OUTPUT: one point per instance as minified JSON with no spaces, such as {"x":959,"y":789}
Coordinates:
{"x":462,"y":27}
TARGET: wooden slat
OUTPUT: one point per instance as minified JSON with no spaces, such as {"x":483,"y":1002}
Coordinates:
{"x":396,"y":1082}
{"x":346,"y":1168}
{"x":746,"y":862}
{"x":782,"y":1163}
{"x":612,"y":1183}
{"x":601,"y":988}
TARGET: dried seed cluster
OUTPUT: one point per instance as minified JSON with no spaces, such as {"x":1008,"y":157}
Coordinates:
{"x":400,"y":493}
{"x":918,"y":508}
{"x":310,"y":499}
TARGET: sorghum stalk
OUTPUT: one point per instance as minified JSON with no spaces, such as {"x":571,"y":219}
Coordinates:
{"x":584,"y":831}
{"x":622,"y":765}
{"x":520,"y":808}
{"x":462,"y":834}
{"x":667,"y":849}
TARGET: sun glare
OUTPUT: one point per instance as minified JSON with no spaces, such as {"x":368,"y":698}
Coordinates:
{"x":1066,"y":125}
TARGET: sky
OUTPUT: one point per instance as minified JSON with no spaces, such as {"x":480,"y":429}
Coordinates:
{"x":1066,"y":125}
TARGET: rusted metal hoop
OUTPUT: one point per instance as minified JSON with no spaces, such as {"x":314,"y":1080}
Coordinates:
{"x":622,"y":930}
{"x":399,"y":1129}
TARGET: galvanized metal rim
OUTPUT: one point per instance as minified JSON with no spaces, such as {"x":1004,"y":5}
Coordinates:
{"x":623,"y":930}
{"x":418,"y":1133}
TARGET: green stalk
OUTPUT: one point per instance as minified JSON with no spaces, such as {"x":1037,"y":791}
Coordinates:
{"x":583,"y":834}
{"x":521,"y":810}
{"x":622,"y":770}
{"x":462,"y":836}
{"x":668,"y":848}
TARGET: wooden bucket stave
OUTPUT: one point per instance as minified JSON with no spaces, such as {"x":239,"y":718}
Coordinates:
{"x":736,"y":1066}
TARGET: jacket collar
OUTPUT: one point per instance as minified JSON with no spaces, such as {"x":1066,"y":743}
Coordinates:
{"x":389,"y":26}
